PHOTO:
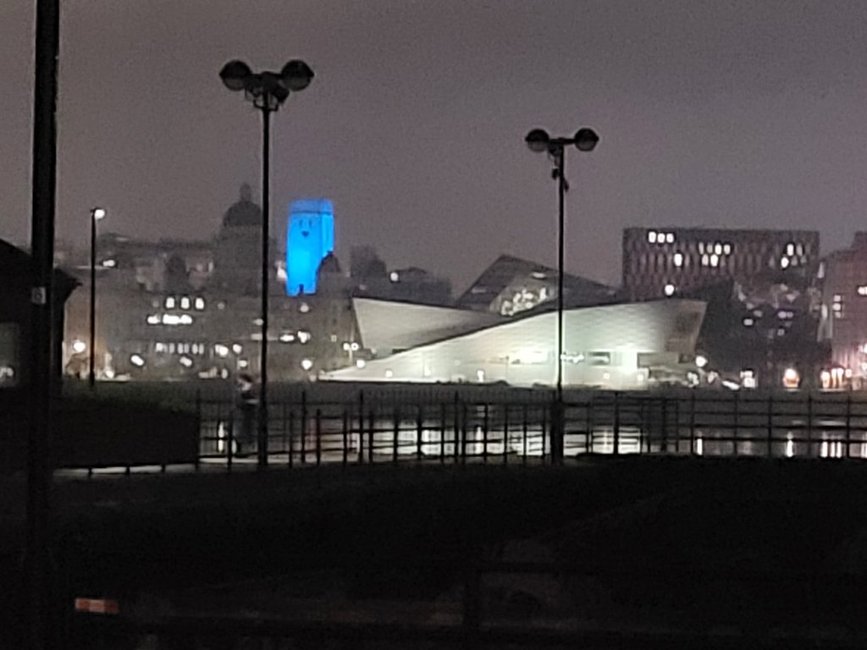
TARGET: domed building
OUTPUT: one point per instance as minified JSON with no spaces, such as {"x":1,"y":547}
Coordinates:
{"x":238,"y":247}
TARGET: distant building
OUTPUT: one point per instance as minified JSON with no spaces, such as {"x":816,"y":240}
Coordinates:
{"x":664,"y":262}
{"x":238,"y":248}
{"x":615,"y":346}
{"x":371,"y":278}
{"x":844,"y":308}
{"x":309,"y":241}
{"x":15,"y":316}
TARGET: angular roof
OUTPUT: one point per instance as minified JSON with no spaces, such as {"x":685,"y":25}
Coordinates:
{"x":486,"y":293}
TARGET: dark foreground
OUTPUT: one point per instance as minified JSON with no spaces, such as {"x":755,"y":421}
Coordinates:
{"x":637,"y":552}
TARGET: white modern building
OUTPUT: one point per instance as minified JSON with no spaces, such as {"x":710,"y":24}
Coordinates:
{"x":614,"y":346}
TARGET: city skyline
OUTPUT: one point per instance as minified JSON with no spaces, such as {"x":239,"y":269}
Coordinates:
{"x":741,"y":115}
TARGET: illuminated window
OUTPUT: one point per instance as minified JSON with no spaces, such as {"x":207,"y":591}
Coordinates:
{"x":669,"y":289}
{"x":749,"y":322}
{"x":678,"y":259}
{"x":304,"y":336}
{"x":862,"y":289}
{"x":306,"y":364}
{"x":200,"y":303}
{"x":669,"y":238}
{"x":304,"y":307}
{"x":705,"y":260}
{"x":727,"y":249}
{"x":718,"y":248}
{"x":185,"y":302}
{"x":170,"y":302}
{"x":394,"y":276}
{"x":651,"y":237}
{"x":389,"y":373}
{"x":714,"y":260}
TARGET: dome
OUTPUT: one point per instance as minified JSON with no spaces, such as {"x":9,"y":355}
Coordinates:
{"x":244,"y":212}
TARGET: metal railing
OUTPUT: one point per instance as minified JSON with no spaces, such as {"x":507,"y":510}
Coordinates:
{"x":304,"y":431}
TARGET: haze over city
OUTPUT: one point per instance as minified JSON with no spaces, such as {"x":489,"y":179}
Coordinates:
{"x":735,"y":114}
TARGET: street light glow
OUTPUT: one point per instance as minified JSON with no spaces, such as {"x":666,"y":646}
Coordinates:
{"x":99,"y":213}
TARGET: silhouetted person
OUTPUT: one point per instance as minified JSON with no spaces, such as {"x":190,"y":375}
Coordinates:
{"x":246,"y":403}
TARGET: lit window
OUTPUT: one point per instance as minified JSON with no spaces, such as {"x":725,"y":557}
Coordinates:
{"x":303,"y":307}
{"x":159,"y":347}
{"x":705,"y":260}
{"x":727,"y":249}
{"x":185,"y":302}
{"x":480,"y":375}
{"x":137,"y":360}
{"x":749,"y":322}
{"x":221,"y":350}
{"x":838,"y":297}
{"x":790,"y":249}
{"x":306,"y":364}
{"x":862,"y":289}
{"x":838,"y":307}
{"x":287,"y":337}
{"x":651,"y":237}
{"x":394,"y":276}
{"x":243,"y":363}
{"x":678,"y":259}
{"x":718,"y":248}
{"x":669,"y":289}
{"x":109,"y":263}
{"x":236,"y":348}
{"x":669,"y":238}
{"x":334,"y":338}
{"x":389,"y":373}
{"x":170,"y":302}
{"x":701,"y":247}
{"x":186,"y":362}
{"x":200,"y":303}
{"x":304,"y":336}
{"x":153,"y":319}
{"x":79,"y":346}
{"x":799,"y":249}
{"x":714,"y":260}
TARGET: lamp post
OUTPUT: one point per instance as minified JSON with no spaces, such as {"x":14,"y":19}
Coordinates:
{"x":267,"y":91}
{"x":97,"y":214}
{"x":539,"y":141}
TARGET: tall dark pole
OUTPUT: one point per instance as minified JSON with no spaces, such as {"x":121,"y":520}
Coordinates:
{"x":91,"y":374}
{"x":262,"y":446}
{"x":561,"y":194}
{"x":40,"y":344}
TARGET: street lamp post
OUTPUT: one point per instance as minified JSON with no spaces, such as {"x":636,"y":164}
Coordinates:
{"x":539,"y":141}
{"x":267,"y":91}
{"x":97,"y":214}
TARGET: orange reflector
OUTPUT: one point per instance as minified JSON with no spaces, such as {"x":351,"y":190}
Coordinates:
{"x":96,"y":606}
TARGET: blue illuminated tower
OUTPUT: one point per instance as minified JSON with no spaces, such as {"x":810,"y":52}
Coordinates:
{"x":310,"y":238}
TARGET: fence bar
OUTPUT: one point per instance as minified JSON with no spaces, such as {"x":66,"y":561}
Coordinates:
{"x":848,"y":425}
{"x":395,"y":434}
{"x":443,"y":433}
{"x":737,"y":427}
{"x":486,"y":422}
{"x":524,"y":442}
{"x":770,"y":426}
{"x":345,"y":437}
{"x":616,"y":423}
{"x":318,"y":437}
{"x":371,"y":431}
{"x":505,"y":434}
{"x":419,"y":429}
{"x":809,"y":424}
{"x":304,"y":427}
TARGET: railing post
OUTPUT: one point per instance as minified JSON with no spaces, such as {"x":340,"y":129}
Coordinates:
{"x":457,"y":428}
{"x":809,"y":424}
{"x":345,"y":437}
{"x":692,"y":423}
{"x":770,"y":443}
{"x":304,"y":417}
{"x":486,"y":422}
{"x":505,"y":434}
{"x":199,"y":427}
{"x":737,"y":430}
{"x":230,"y":453}
{"x":287,"y":442}
{"x":360,"y":427}
{"x":848,"y":425}
{"x":463,"y":432}
{"x":318,"y":437}
{"x":419,"y":430}
{"x":525,"y":427}
{"x":588,"y":433}
{"x":371,"y":431}
{"x":291,"y":438}
{"x":663,"y":443}
{"x":616,"y":423}
{"x":442,"y":433}
{"x":395,"y":434}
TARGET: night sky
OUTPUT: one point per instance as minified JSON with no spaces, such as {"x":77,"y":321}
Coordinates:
{"x":718,"y":113}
